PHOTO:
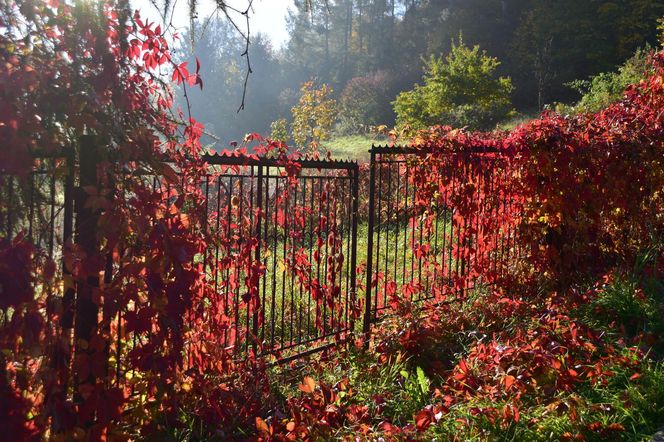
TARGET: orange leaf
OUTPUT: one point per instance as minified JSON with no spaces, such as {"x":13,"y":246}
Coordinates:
{"x":308,"y":385}
{"x":262,"y":426}
{"x":509,"y":381}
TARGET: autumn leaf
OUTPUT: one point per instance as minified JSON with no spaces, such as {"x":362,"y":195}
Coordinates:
{"x":424,"y":419}
{"x":262,"y":426}
{"x":308,"y":385}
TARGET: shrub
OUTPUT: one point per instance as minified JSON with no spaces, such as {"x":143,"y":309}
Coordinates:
{"x":459,"y":90}
{"x":608,"y":87}
{"x":365,"y":102}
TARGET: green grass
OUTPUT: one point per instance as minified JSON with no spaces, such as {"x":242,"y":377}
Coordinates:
{"x":352,"y":147}
{"x":518,"y":120}
{"x":290,"y":311}
{"x":394,"y":388}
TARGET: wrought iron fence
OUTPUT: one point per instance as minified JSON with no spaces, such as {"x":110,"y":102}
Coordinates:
{"x":302,"y":233}
{"x":407,"y":258}
{"x":46,"y":195}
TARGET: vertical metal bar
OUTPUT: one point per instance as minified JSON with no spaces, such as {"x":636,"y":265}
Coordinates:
{"x":51,"y":227}
{"x":251,"y":208}
{"x":205,"y":221}
{"x":68,"y":299}
{"x":32,"y":205}
{"x":329,"y":270}
{"x":325,"y":266}
{"x":10,"y":198}
{"x":216,"y":243}
{"x":366,"y":327}
{"x":411,"y":276}
{"x":353,"y":242}
{"x":348,"y":231}
{"x":421,"y":227}
{"x":444,"y":246}
{"x":388,"y":217}
{"x":266,"y":218}
{"x":274,"y":261}
{"x":320,"y":257}
{"x":398,"y":212}
{"x":478,"y":215}
{"x":344,"y":194}
{"x":311,"y":248}
{"x":292,"y":315}
{"x":229,"y":251}
{"x":464,"y":238}
{"x":378,"y":224}
{"x":283,"y":274}
{"x":237,"y":303}
{"x":303,"y":242}
{"x":435,"y":239}
{"x":404,"y":260}
{"x":451,"y":243}
{"x":257,"y":253}
{"x":86,"y":225}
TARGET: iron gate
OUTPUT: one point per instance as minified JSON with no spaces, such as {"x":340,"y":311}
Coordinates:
{"x":395,"y":229}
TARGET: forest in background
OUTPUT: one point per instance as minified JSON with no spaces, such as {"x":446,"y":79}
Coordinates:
{"x":379,"y":47}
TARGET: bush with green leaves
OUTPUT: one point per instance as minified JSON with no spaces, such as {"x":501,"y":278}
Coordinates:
{"x":608,"y":87}
{"x":460,"y":90}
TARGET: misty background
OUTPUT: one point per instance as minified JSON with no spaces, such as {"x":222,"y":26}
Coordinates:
{"x":378,"y":46}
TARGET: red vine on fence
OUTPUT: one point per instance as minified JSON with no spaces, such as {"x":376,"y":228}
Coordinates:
{"x":584,"y":192}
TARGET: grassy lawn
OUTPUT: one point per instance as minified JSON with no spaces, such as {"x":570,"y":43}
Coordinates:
{"x":352,"y":147}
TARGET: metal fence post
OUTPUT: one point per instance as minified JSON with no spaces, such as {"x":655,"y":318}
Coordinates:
{"x":366,"y":329}
{"x":86,"y":231}
{"x":63,"y":359}
{"x":353,"y":241}
{"x":257,"y":256}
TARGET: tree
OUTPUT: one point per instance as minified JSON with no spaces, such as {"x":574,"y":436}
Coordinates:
{"x":461,"y":89}
{"x":313,"y":116}
{"x":219,"y":50}
{"x":279,"y":130}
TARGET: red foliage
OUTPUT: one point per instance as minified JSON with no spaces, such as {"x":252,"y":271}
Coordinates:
{"x":583,"y":192}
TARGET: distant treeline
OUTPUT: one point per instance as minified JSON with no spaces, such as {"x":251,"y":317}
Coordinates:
{"x":542,"y":45}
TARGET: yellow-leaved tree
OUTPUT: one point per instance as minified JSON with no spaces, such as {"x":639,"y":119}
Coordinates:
{"x":313,"y":116}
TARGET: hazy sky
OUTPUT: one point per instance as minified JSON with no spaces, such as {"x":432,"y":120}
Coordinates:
{"x":268,"y":17}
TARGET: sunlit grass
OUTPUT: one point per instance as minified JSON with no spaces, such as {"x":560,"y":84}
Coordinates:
{"x":352,"y":147}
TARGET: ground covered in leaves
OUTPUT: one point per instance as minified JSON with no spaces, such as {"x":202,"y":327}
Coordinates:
{"x":581,"y":365}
